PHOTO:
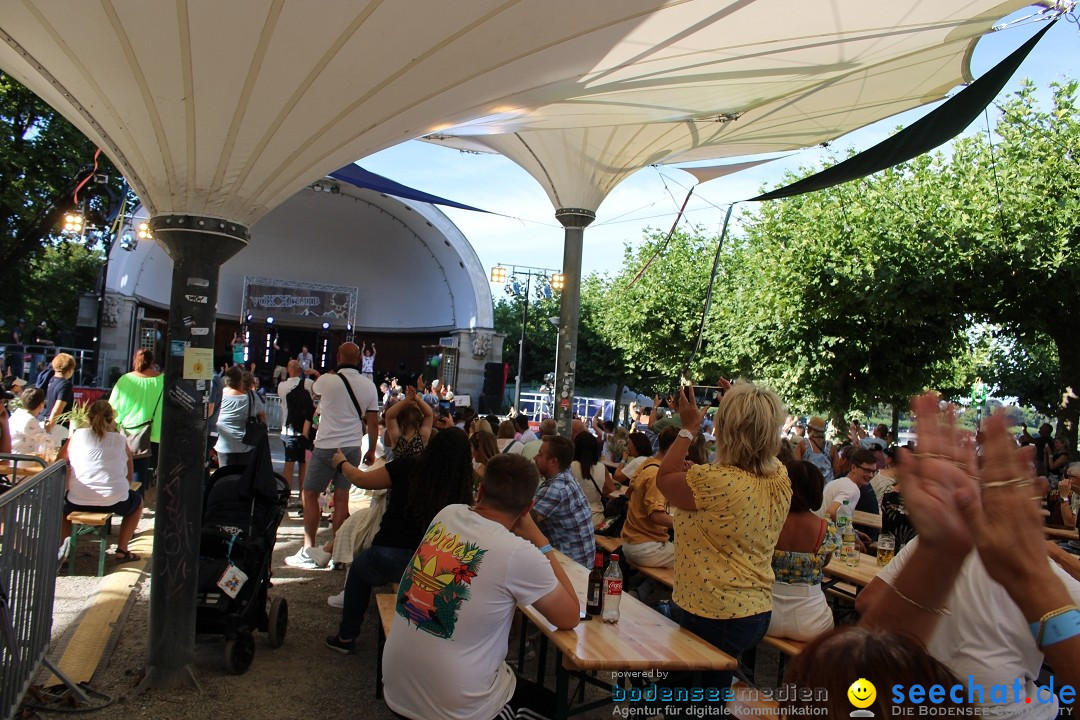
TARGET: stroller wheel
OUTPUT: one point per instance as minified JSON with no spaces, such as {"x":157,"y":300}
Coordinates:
{"x":279,"y":622}
{"x":239,"y":652}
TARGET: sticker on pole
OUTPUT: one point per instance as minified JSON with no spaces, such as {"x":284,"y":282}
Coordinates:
{"x":198,"y":282}
{"x":198,"y":363}
{"x":196,"y":298}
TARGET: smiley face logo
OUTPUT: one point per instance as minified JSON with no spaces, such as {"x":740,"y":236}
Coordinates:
{"x":862,"y":693}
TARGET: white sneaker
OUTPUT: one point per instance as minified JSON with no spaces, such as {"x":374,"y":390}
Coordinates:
{"x":336,"y":601}
{"x":311,"y":558}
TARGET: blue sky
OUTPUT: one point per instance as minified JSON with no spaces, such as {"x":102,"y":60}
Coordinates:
{"x":651,"y":197}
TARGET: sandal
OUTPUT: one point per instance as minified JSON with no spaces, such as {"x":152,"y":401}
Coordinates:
{"x":123,"y":556}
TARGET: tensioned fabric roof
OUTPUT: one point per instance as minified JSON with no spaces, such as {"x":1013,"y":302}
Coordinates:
{"x":579,"y":166}
{"x":226,"y":109}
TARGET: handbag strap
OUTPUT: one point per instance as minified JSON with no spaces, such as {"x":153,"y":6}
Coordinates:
{"x":348,"y":389}
{"x":152,"y":413}
{"x":592,"y":480}
{"x":251,"y":403}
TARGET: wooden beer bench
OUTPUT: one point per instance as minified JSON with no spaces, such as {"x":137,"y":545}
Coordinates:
{"x":89,"y":523}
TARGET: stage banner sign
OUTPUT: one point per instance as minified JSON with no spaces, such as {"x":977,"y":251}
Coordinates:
{"x":266,"y":297}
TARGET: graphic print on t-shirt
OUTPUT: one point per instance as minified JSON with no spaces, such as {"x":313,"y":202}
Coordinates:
{"x":437,"y":581}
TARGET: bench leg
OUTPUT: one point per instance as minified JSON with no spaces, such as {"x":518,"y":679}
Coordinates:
{"x":378,"y":663}
{"x":104,"y":538}
{"x":541,"y":660}
{"x":71,"y":550}
{"x":562,"y":683}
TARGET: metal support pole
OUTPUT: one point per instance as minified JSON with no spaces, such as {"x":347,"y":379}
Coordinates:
{"x":574,"y":220}
{"x":521,"y":344}
{"x":198,"y":246}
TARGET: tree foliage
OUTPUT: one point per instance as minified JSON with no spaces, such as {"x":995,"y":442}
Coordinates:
{"x":41,"y":154}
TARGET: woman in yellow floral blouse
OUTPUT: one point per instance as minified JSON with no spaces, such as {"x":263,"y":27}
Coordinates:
{"x":732,"y":513}
{"x":800,"y":611}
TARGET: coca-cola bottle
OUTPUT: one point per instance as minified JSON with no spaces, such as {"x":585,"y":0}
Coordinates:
{"x":612,"y":590}
{"x":594,"y":596}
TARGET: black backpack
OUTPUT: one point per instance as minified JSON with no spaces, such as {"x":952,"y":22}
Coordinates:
{"x":300,"y":406}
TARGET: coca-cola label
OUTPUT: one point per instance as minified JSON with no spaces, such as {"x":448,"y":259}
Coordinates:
{"x":614,"y":587}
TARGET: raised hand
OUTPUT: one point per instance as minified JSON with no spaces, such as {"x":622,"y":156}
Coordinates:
{"x":686,"y":406}
{"x":1005,"y":522}
{"x":938,"y":478}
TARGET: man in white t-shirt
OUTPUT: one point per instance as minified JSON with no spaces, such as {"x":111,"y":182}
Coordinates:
{"x":342,"y":416}
{"x":863,"y":468}
{"x":984,"y":635}
{"x":445,"y":654}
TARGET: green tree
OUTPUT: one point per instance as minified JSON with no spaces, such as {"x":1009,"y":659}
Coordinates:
{"x":652,"y":323}
{"x":42,"y":155}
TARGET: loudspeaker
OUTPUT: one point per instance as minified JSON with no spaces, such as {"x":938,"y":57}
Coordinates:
{"x":494,"y":379}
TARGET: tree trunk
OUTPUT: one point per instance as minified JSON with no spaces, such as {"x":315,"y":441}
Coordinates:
{"x":618,"y":397}
{"x":896,"y":422}
{"x":1067,"y":343}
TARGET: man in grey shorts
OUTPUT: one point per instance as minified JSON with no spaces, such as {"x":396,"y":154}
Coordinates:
{"x":341,"y":425}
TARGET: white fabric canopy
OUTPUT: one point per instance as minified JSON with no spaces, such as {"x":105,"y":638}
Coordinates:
{"x":578,"y":166}
{"x":227,"y":108}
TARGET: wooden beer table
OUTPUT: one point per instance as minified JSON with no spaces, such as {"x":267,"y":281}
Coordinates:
{"x":642,"y":640}
{"x":865,"y":519}
{"x":860,"y":576}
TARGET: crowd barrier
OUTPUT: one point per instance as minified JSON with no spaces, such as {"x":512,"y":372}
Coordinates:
{"x":30,"y":517}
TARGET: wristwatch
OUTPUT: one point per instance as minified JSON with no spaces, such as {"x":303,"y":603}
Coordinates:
{"x":686,"y":434}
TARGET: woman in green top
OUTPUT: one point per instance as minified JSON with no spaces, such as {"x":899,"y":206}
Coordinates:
{"x":136,"y":397}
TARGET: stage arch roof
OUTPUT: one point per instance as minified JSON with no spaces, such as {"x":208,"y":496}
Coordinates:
{"x":414,"y":269}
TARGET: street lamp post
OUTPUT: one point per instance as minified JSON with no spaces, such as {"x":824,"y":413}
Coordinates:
{"x":511,"y":275}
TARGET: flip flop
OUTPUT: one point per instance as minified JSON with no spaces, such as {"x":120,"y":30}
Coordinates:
{"x":123,"y":556}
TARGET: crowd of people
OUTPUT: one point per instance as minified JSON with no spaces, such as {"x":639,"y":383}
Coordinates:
{"x":739,"y":499}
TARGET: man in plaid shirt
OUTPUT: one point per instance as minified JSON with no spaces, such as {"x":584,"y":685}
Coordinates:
{"x":560,"y":507}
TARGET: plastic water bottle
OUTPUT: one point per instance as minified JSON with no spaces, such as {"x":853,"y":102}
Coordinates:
{"x":843,"y":516}
{"x":848,"y":551}
{"x":612,"y":590}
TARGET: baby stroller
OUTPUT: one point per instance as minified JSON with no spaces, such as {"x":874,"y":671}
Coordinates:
{"x":242,"y":508}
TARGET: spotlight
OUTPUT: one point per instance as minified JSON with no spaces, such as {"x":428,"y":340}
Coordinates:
{"x":317,"y":187}
{"x":349,"y":327}
{"x":128,"y":243}
{"x":508,"y":290}
{"x":270,"y":320}
{"x":335,"y":189}
{"x":498,"y":274}
{"x":73,"y":223}
{"x":326,"y":326}
{"x":517,"y":286}
{"x":250,"y":317}
{"x":144,"y":231}
{"x":543,"y":292}
{"x":558,"y":280}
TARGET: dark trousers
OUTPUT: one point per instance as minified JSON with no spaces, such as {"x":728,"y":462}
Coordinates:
{"x":373,"y":567}
{"x":731,"y":636}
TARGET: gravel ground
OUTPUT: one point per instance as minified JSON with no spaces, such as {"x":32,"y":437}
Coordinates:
{"x":303,"y":678}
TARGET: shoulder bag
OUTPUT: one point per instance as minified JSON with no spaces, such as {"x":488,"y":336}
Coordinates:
{"x":254,"y":431}
{"x":138,"y":436}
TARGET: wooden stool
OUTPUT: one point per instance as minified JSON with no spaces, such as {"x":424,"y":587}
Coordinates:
{"x":89,"y":523}
{"x":608,"y":544}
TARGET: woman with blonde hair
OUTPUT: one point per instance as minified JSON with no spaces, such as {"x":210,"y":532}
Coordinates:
{"x":507,"y":438}
{"x":60,"y":395}
{"x":731,"y":514}
{"x":101,"y":473}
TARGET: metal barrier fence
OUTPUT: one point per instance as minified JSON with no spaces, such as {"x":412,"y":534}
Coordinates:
{"x":274,"y":417}
{"x":538,"y":406}
{"x":30,"y":516}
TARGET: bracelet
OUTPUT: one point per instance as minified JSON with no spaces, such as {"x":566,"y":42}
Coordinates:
{"x":1056,"y":626}
{"x":940,"y":613}
{"x":340,"y":465}
{"x":544,"y":550}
